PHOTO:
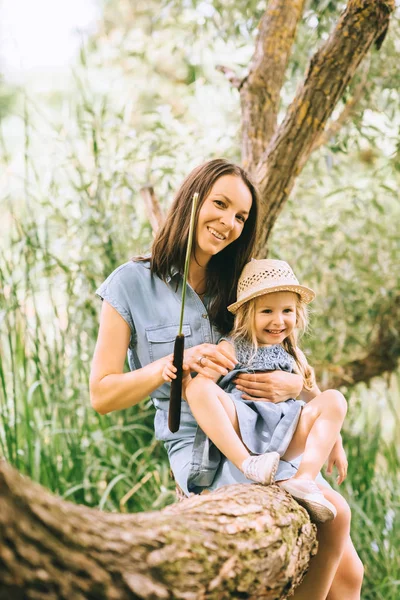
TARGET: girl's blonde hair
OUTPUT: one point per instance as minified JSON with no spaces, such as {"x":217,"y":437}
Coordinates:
{"x":244,"y":328}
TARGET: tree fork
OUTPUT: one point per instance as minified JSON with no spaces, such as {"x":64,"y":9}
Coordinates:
{"x":245,"y":541}
{"x":329,"y":72}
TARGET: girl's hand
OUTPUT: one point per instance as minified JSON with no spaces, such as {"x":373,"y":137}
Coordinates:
{"x":209,"y":360}
{"x":338,"y":458}
{"x":169,"y":371}
{"x":272,"y":386}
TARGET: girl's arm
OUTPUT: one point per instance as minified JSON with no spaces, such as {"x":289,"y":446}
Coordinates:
{"x":112,"y":389}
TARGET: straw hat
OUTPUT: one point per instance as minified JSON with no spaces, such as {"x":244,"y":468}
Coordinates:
{"x":265,"y":276}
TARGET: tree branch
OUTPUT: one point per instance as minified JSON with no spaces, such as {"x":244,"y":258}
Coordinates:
{"x":329,"y":72}
{"x":153,"y":209}
{"x":348,"y":109}
{"x":231,"y":76}
{"x":243,"y":540}
{"x":260,"y":93}
{"x":383,"y":355}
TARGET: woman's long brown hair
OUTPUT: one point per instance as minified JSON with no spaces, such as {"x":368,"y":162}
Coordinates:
{"x":224,"y":268}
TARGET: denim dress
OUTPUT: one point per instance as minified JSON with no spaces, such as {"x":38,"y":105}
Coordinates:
{"x":264,"y":426}
{"x":151,"y":308}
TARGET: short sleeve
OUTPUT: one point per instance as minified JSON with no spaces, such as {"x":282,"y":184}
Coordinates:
{"x":224,"y":338}
{"x":118,"y":290}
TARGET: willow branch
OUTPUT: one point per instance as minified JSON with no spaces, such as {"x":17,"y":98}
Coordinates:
{"x":153,"y":209}
{"x":238,"y":541}
{"x":383,"y":356}
{"x":231,"y":76}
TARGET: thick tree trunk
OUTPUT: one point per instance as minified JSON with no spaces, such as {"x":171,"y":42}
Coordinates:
{"x":243,"y":541}
{"x":260,"y":92}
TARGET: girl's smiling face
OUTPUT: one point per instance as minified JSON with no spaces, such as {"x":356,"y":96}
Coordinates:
{"x":275,"y":317}
{"x":222,"y":217}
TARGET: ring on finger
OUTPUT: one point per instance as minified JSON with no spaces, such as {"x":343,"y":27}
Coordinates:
{"x":201,"y":360}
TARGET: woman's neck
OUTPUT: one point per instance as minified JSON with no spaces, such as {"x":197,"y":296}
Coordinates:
{"x":197,"y":276}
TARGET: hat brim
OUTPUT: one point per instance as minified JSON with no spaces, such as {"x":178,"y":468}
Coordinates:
{"x":305,"y":293}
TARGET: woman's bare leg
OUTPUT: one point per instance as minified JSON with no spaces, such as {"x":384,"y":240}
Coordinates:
{"x":215,"y":413}
{"x":348,"y":578}
{"x":316,"y":433}
{"x":332,"y":538}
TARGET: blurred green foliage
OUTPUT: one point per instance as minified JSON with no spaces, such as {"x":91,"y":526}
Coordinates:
{"x":145,"y":104}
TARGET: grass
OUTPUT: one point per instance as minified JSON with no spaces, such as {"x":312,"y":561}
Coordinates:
{"x":48,"y":429}
{"x":373,"y":486}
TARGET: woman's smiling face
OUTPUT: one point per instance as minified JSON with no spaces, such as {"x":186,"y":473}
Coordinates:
{"x":222,"y":217}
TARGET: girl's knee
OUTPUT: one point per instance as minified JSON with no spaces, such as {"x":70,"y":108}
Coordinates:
{"x":343,"y":517}
{"x":340,"y":526}
{"x":337,"y":401}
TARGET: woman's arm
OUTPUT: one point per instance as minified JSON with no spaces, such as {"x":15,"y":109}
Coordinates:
{"x":210,"y":373}
{"x":274,"y":386}
{"x":112,"y":389}
{"x":308,"y":395}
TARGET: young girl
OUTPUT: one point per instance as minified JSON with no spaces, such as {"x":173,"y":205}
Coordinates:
{"x":270,"y":313}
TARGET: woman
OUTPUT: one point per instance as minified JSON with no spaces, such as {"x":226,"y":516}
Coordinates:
{"x":140,"y":314}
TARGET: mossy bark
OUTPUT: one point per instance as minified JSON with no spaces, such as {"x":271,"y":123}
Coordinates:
{"x":260,"y":92}
{"x":243,"y":541}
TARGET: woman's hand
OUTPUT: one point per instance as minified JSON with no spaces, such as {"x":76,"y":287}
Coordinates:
{"x":209,"y":360}
{"x":273,"y":386}
{"x":338,"y":459}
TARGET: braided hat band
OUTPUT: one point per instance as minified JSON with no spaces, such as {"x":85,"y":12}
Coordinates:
{"x":265,"y":276}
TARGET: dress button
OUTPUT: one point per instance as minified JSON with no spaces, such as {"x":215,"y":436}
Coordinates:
{"x":205,"y":316}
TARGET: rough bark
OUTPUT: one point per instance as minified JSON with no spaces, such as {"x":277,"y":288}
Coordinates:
{"x":239,"y":542}
{"x":260,"y":92}
{"x":348,"y":109}
{"x":328,"y":74}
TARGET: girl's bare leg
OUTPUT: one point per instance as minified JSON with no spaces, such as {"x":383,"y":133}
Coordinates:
{"x":332,"y":542}
{"x":316,"y":433}
{"x":215,"y":413}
